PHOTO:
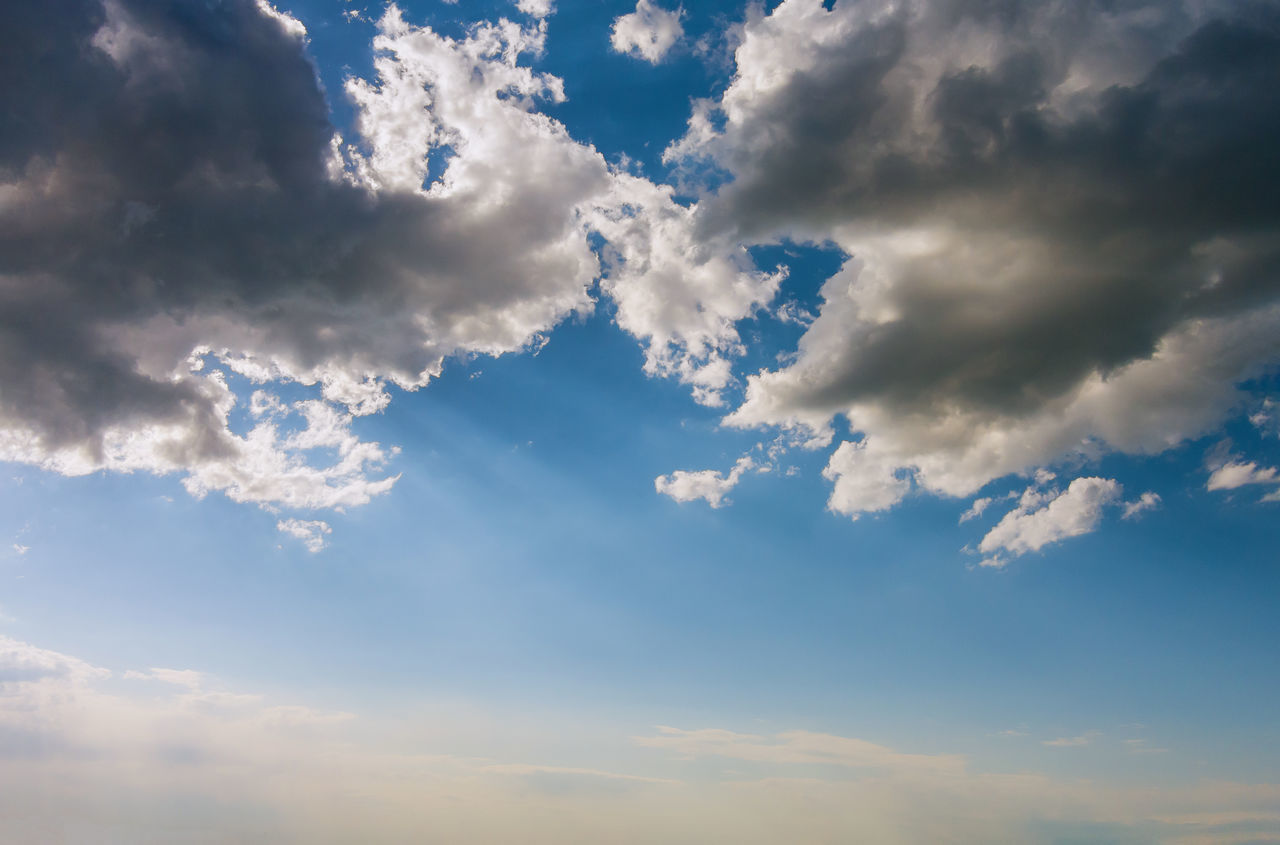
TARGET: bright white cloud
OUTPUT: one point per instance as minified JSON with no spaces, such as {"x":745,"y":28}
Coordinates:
{"x":1040,"y":521}
{"x":863,"y":481}
{"x":648,"y":33}
{"x":707,"y":484}
{"x":1234,"y":474}
{"x":536,"y":8}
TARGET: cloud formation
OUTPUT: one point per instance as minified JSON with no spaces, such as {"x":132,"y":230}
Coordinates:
{"x":312,"y":532}
{"x":176,"y":208}
{"x":691,"y":485}
{"x":1061,"y":225}
{"x":1046,"y":517}
{"x":648,"y":33}
{"x":92,"y":754}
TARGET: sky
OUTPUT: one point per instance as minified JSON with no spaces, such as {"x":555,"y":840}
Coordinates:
{"x":565,"y":422}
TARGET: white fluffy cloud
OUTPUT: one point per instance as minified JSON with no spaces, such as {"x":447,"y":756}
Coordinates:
{"x":647,"y":33}
{"x":1044,"y":518}
{"x":707,"y":484}
{"x":536,"y":8}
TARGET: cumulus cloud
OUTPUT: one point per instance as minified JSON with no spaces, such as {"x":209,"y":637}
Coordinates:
{"x":536,"y":8}
{"x":176,"y":209}
{"x":1061,"y":225}
{"x":1044,"y":518}
{"x":707,"y":484}
{"x":648,"y":33}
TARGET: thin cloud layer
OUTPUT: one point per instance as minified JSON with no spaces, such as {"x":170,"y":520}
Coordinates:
{"x":1061,"y":223}
{"x":792,"y":747}
{"x":92,"y":754}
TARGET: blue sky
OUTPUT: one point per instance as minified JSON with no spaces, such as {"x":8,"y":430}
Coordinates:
{"x":387,"y":492}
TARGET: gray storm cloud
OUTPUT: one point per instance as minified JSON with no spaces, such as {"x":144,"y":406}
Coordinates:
{"x":1061,"y":222}
{"x":175,"y":201}
{"x":1043,"y":205}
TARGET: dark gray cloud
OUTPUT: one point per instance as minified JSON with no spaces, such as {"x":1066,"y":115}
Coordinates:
{"x":170,"y":185}
{"x":1156,"y":202}
{"x":167,"y":181}
{"x":1040,"y":201}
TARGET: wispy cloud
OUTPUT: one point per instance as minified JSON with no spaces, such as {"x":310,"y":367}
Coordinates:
{"x":794,"y":747}
{"x":292,"y":773}
{"x":312,"y":532}
{"x":1086,"y":738}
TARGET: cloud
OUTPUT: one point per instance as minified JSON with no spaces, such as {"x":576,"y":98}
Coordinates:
{"x":1042,"y":519}
{"x":536,"y":8}
{"x":178,"y":214}
{"x":1080,"y":741}
{"x":87,"y":758}
{"x":688,"y":486}
{"x":1234,"y":474}
{"x":863,"y":481}
{"x":976,"y":508}
{"x":1061,"y":226}
{"x":1146,"y":502}
{"x":312,"y":532}
{"x":22,"y":663}
{"x":648,"y":33}
{"x":1140,"y":746}
{"x":795,"y":747}
{"x":1267,"y":418}
{"x":188,"y":678}
{"x":1231,"y":472}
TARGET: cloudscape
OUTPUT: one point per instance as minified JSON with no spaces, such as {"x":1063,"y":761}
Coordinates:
{"x":486,"y":422}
